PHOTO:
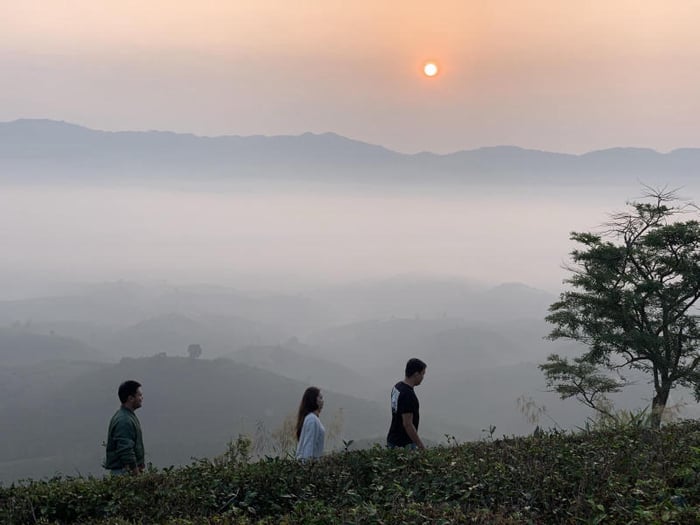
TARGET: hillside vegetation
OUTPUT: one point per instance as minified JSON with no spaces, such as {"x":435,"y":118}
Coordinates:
{"x":629,"y":475}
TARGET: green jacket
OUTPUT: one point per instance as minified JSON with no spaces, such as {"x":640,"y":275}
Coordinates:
{"x":124,"y":441}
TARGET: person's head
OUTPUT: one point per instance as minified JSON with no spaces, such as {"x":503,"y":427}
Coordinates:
{"x":130,"y":394}
{"x":311,"y":401}
{"x":415,"y":371}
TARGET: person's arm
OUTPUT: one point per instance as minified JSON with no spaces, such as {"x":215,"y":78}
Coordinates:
{"x":407,"y":420}
{"x":319,"y":436}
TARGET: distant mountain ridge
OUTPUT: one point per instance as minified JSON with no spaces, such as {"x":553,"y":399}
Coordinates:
{"x":48,"y":150}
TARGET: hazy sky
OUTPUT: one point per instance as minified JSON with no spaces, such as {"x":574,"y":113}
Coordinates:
{"x":564,"y":75}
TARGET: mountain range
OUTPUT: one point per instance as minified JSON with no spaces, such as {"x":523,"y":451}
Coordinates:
{"x":49,"y":151}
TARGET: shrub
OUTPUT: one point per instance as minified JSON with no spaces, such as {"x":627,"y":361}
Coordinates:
{"x":631,"y":474}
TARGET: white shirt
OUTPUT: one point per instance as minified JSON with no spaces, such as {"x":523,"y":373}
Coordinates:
{"x":311,"y":439}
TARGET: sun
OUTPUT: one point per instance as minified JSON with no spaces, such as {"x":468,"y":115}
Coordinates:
{"x":430,"y":69}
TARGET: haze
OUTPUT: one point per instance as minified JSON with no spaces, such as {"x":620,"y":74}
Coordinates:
{"x":282,"y":240}
{"x":314,"y":210}
{"x":545,"y":74}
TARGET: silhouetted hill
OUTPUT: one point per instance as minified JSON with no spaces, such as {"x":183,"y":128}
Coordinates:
{"x":136,"y":320}
{"x":453,"y":325}
{"x":510,"y":301}
{"x":379,"y":348}
{"x":18,"y":347}
{"x":192,"y":408}
{"x":32,"y":384}
{"x":172,"y":333}
{"x":422,"y":297}
{"x":114,"y":305}
{"x":292,"y":360}
{"x":45,"y":150}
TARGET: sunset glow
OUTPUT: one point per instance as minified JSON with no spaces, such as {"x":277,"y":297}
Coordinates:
{"x":247,"y":64}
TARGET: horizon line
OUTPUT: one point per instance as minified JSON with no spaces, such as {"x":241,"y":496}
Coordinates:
{"x":344,"y":137}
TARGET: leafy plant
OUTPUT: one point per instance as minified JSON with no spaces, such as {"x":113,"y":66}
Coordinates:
{"x":617,"y":475}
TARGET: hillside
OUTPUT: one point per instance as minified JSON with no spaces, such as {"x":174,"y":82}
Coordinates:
{"x":422,"y":297}
{"x":51,"y":151}
{"x":628,"y":475}
{"x":172,"y":333}
{"x":18,"y":347}
{"x":292,"y":360}
{"x":192,"y":408}
{"x":378,"y":348}
{"x":91,"y":310}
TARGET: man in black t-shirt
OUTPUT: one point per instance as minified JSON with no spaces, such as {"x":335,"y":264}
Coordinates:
{"x":405,"y":416}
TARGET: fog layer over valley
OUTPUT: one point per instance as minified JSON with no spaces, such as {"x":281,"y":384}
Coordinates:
{"x":272,"y":240}
{"x":284,"y":281}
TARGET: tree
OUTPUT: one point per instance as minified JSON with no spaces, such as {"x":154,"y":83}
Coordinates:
{"x":583,"y":381}
{"x":632,"y":303}
{"x":194,"y":351}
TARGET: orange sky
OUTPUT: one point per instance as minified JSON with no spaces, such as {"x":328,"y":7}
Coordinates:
{"x":549,"y":74}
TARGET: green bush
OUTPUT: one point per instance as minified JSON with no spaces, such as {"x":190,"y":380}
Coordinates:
{"x":626,"y":475}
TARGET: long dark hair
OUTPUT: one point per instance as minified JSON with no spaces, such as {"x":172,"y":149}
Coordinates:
{"x":309,"y":403}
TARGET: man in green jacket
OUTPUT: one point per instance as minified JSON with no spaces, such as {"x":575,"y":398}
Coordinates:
{"x":125,"y":454}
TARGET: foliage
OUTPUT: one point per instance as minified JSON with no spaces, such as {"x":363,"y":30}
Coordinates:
{"x":619,"y":419}
{"x":279,"y":442}
{"x":533,"y":412}
{"x":237,"y":452}
{"x":583,"y":381}
{"x":616,"y":476}
{"x":194,"y":351}
{"x":632,"y":303}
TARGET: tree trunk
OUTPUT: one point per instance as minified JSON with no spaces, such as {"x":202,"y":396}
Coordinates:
{"x":658,"y":405}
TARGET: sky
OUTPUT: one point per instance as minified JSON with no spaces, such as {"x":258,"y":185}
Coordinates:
{"x":569,"y":76}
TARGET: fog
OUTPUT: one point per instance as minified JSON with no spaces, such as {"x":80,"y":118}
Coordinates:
{"x":283,"y":285}
{"x":326,"y":221}
{"x":287,"y":240}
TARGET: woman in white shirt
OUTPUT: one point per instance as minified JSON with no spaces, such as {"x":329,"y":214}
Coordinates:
{"x":310,"y":431}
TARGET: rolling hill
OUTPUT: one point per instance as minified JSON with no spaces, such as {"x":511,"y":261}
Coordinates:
{"x":192,"y":408}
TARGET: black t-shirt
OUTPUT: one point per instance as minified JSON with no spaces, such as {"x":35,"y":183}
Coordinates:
{"x":403,"y":401}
